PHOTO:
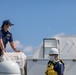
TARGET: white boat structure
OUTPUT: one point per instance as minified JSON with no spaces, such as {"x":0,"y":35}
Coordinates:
{"x":36,"y":64}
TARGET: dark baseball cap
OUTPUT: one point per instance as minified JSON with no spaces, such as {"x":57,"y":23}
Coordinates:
{"x":7,"y":22}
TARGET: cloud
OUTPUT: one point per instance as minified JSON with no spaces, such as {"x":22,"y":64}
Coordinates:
{"x":26,"y":49}
{"x":18,"y":44}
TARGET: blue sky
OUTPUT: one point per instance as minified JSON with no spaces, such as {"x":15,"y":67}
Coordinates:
{"x":37,"y":19}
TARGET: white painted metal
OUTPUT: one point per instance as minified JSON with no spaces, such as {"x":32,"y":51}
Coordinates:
{"x":8,"y":67}
{"x":17,"y":57}
{"x":36,"y":66}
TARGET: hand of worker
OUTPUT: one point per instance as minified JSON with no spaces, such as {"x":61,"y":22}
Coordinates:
{"x":17,"y":50}
{"x":3,"y":51}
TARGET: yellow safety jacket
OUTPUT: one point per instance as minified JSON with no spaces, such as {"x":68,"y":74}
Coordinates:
{"x":50,"y":70}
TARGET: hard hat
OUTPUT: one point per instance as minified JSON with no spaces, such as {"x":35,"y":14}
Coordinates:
{"x":54,"y":51}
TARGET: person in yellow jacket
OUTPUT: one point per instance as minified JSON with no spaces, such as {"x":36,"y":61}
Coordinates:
{"x":55,"y":66}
